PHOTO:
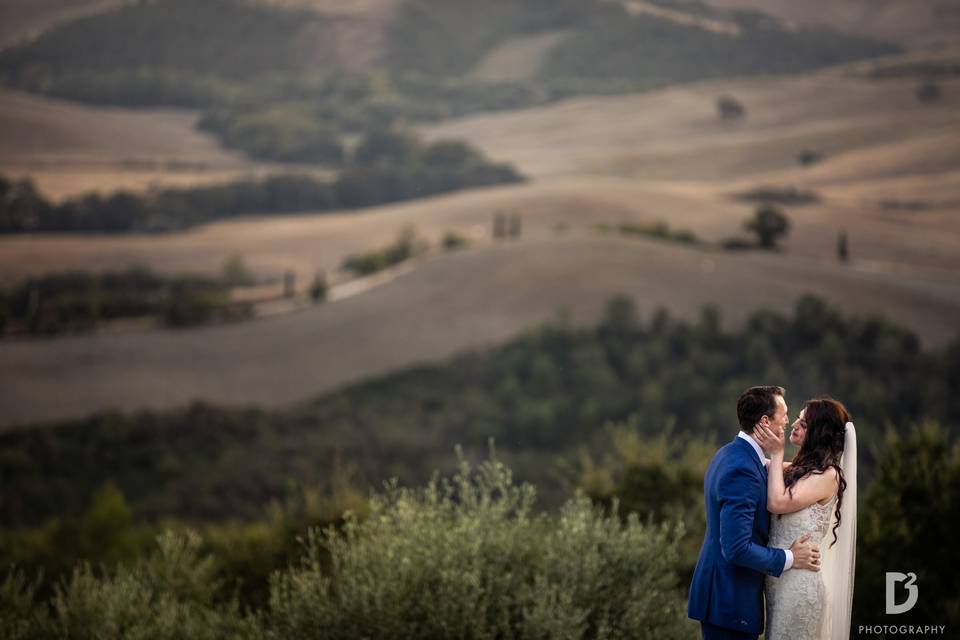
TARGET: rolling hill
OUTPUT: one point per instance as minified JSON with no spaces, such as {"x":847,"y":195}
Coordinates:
{"x":889,"y":176}
{"x":465,"y":300}
{"x":69,"y":148}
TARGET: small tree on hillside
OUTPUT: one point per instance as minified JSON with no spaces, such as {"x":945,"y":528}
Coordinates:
{"x":514,"y":228}
{"x":843,"y":251}
{"x":768,"y":223}
{"x":235,"y":272}
{"x":319,"y":287}
{"x":928,"y":92}
{"x":393,"y":147}
{"x":499,"y":225}
{"x":730,"y":108}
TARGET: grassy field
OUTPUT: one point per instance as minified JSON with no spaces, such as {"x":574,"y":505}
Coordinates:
{"x":668,"y":154}
{"x":68,"y":148}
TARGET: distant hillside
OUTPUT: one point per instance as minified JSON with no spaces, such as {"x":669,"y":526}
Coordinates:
{"x":233,"y":41}
{"x":917,"y":23}
{"x":611,"y":42}
{"x":457,"y":301}
{"x":275,"y":81}
{"x":24,"y":19}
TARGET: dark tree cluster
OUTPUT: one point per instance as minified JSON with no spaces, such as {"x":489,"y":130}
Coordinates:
{"x":381,"y":174}
{"x":80,"y":301}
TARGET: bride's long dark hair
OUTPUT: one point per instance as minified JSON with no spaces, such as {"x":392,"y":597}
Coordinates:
{"x":822,"y":447}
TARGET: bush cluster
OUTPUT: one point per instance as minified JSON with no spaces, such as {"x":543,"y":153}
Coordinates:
{"x":80,"y":301}
{"x":378,"y":176}
{"x":459,"y":558}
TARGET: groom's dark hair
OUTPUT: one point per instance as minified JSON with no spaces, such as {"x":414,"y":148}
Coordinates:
{"x":756,"y":402}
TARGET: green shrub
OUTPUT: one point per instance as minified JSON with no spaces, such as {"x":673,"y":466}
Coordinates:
{"x":657,"y":476}
{"x":730,"y":108}
{"x":907,"y":520}
{"x":235,"y":272}
{"x":406,"y":246}
{"x":174,"y":593}
{"x":768,"y":224}
{"x":319,"y":288}
{"x":453,"y":240}
{"x":659,"y":230}
{"x":199,"y":303}
{"x":468,"y":558}
{"x":22,"y":616}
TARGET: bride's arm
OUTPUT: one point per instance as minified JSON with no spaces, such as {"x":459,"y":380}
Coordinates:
{"x":806,"y":491}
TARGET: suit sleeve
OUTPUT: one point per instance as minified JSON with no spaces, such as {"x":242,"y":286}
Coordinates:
{"x":738,"y":490}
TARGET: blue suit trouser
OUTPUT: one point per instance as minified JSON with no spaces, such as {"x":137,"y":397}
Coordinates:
{"x":712,"y":632}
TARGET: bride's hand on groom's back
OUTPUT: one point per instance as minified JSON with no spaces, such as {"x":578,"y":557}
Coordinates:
{"x":805,"y":555}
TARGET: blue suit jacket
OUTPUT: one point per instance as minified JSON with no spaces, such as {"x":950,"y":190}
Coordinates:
{"x":727,"y":586}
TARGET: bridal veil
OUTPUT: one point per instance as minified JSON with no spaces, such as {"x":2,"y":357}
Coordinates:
{"x":840,"y":559}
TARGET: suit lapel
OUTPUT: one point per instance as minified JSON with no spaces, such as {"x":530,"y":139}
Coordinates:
{"x":763,"y":522}
{"x":753,"y":455}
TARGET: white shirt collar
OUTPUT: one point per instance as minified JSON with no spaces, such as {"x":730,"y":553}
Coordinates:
{"x":753,"y":443}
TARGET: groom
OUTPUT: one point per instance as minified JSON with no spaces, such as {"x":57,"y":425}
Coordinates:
{"x":726,"y":594}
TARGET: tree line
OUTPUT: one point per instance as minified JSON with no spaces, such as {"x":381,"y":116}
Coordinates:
{"x":389,"y":166}
{"x":546,"y":392}
{"x":81,"y":301}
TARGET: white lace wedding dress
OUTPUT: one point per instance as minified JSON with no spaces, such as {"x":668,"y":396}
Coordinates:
{"x":796,"y":601}
{"x":816,"y":605}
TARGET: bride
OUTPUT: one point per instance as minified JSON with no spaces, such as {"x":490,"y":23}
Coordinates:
{"x":815,"y":495}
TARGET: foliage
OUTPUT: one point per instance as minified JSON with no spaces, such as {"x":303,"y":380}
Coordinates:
{"x":786,"y":195}
{"x":248,"y":552}
{"x":436,"y":168}
{"x":319,"y":288}
{"x":465,"y":30}
{"x":80,"y":301}
{"x":235,"y":272}
{"x":468,"y":558}
{"x":809,"y":157}
{"x":910,"y":509}
{"x":768,"y":223}
{"x":659,"y":230}
{"x":656,"y":473}
{"x":465,"y":557}
{"x":546,"y":393}
{"x":171,"y":34}
{"x":404,"y":247}
{"x":843,"y":250}
{"x":730,"y":108}
{"x":453,"y":240}
{"x":928,"y":92}
{"x":613,"y":43}
{"x":606,"y":42}
{"x":172,"y":593}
